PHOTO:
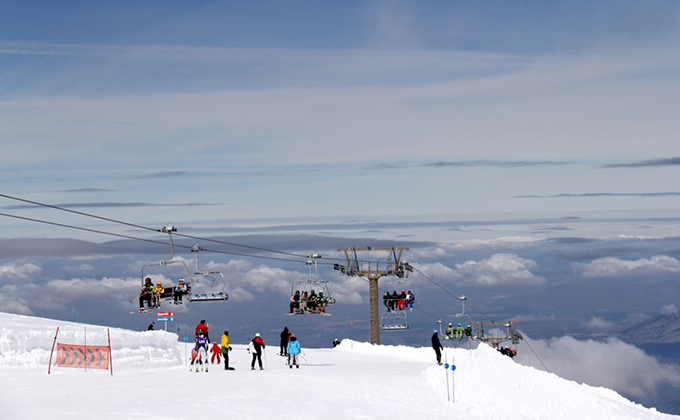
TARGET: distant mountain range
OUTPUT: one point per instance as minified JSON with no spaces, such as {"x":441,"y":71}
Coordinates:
{"x":659,"y":330}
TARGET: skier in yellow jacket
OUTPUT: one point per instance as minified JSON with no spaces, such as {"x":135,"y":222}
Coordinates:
{"x":225,"y":350}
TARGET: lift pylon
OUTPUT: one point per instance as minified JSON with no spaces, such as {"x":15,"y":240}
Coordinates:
{"x":373,"y":271}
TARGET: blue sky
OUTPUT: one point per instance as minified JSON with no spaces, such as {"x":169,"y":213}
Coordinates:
{"x":460,"y":107}
{"x":526,"y":151}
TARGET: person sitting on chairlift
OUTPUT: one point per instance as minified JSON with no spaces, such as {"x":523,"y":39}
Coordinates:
{"x":295,"y":303}
{"x":146,"y":294}
{"x":395,"y":299}
{"x":410,"y":298}
{"x":311,"y":301}
{"x":157,"y":293}
{"x":180,"y":290}
{"x":401,"y":303}
{"x":387,"y":298}
{"x":449,"y":332}
{"x":303,"y":302}
{"x":321,"y":301}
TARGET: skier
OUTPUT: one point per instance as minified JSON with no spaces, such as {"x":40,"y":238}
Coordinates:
{"x":459,"y":332}
{"x":180,"y":290}
{"x":151,"y":326}
{"x":437,"y":346}
{"x":321,"y":301}
{"x":201,"y":350}
{"x":386,"y":300}
{"x":468,"y":331}
{"x":145,"y":295}
{"x":216,"y":352}
{"x":255,"y":347}
{"x":401,"y":303}
{"x":285,"y":336}
{"x":225,"y":350}
{"x":449,"y":332}
{"x":157,"y":293}
{"x":295,"y":303}
{"x":336,"y":343}
{"x":410,"y":298}
{"x":293,"y":352}
{"x":203,"y":326}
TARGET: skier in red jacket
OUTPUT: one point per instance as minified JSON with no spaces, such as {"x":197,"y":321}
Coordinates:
{"x":216,"y":353}
{"x":203,"y":326}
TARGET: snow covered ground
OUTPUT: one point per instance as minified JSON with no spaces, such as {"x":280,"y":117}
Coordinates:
{"x":353,"y":381}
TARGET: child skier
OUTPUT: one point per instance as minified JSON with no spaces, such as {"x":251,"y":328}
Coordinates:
{"x":216,"y":352}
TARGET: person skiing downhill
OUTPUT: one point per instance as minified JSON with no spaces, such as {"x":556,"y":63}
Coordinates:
{"x":293,"y":352}
{"x":437,"y":346}
{"x":255,"y":347}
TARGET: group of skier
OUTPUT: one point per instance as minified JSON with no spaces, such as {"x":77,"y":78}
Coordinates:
{"x":290,"y":347}
{"x":399,"y":301}
{"x":152,"y":295}
{"x":308,"y":302}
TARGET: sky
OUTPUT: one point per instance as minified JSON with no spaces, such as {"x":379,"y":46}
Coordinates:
{"x":525,"y":152}
{"x":377,"y":390}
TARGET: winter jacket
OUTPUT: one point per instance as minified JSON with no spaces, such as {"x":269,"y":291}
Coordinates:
{"x":436,"y":344}
{"x":293,"y":346}
{"x":285,"y":336}
{"x":215,"y":349}
{"x":202,"y":326}
{"x":257,"y":344}
{"x":201,"y":341}
{"x":225,"y":343}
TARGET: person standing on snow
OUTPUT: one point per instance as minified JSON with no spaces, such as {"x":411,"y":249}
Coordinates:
{"x":203,"y":326}
{"x":215,"y":353}
{"x":293,"y":352}
{"x":285,"y":336}
{"x":437,"y":346}
{"x":201,"y":350}
{"x":225,"y":350}
{"x":256,"y":347}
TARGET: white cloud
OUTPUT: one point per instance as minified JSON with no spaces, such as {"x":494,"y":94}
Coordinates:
{"x":669,"y":310}
{"x":598,"y":324}
{"x":16,"y":273}
{"x":610,"y":363}
{"x":499,"y":269}
{"x":617,"y":267}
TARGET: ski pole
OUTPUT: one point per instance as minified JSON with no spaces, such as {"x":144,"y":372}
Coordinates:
{"x":265,"y":358}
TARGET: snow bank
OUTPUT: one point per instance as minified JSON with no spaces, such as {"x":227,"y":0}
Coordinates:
{"x":26,"y":342}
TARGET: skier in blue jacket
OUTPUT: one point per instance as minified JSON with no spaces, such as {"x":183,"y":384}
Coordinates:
{"x":293,"y":351}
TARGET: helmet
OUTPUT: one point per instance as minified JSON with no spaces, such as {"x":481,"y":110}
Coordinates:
{"x":450,"y":324}
{"x":459,"y":324}
{"x":257,"y":334}
{"x":159,"y":282}
{"x":181,"y":280}
{"x":200,"y":332}
{"x":436,"y":332}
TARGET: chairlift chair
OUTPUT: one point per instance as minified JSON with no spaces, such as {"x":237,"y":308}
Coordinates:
{"x":207,"y":297}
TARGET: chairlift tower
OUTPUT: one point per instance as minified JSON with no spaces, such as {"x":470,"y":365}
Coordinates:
{"x":373,"y":271}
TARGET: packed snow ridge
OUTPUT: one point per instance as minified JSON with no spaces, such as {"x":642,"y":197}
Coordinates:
{"x":354,"y":380}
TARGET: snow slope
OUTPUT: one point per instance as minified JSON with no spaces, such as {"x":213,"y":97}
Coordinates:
{"x":354,"y":380}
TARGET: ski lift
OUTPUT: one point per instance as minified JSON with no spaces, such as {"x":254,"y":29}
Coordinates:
{"x":394,"y":320}
{"x":207,"y":297}
{"x":495,"y":337}
{"x":308,"y":285}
